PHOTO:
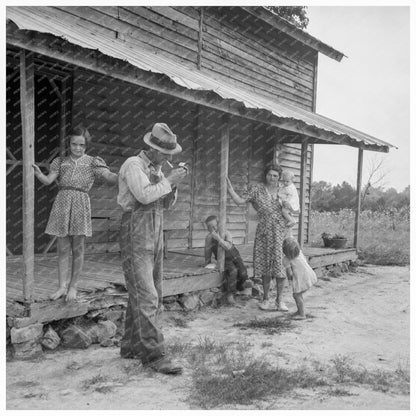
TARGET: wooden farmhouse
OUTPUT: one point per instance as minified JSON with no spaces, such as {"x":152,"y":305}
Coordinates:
{"x":236,"y":84}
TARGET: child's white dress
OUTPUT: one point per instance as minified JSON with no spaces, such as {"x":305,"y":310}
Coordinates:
{"x":303,"y":275}
{"x":290,"y":194}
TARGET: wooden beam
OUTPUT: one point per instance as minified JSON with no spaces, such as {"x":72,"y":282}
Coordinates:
{"x":201,"y":22}
{"x":225,"y":149}
{"x":27,"y":104}
{"x":358,"y":206}
{"x":62,"y":50}
{"x":303,"y":180}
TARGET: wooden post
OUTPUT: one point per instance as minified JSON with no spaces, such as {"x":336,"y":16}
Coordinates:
{"x":358,"y":207}
{"x":303,"y":165}
{"x":225,"y":144}
{"x":27,"y":104}
{"x":62,"y":120}
{"x":197,"y":129}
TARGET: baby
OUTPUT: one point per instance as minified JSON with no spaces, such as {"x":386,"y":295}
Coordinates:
{"x":289,"y":198}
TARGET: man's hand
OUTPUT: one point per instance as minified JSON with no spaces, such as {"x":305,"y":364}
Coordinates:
{"x":176,"y":175}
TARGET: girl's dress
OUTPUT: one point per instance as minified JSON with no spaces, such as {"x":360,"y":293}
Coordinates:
{"x":303,"y":275}
{"x":71,"y":210}
{"x":270,"y":232}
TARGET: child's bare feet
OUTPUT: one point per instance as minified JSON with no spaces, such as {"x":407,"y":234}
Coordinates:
{"x":58,"y":294}
{"x":297,"y":317}
{"x":71,"y":295}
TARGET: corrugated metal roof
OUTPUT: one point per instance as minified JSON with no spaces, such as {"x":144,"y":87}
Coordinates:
{"x":46,"y":20}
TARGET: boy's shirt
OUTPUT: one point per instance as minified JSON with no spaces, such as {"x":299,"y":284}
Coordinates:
{"x":211,"y":246}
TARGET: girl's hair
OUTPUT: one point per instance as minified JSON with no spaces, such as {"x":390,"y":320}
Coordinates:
{"x":272,"y":166}
{"x":290,"y":248}
{"x":79,"y":131}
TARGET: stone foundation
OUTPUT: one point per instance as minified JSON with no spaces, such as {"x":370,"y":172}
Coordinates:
{"x":104,"y":325}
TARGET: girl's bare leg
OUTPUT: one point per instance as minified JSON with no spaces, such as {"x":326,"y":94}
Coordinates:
{"x":300,"y":314}
{"x":64,"y":252}
{"x":78,"y":250}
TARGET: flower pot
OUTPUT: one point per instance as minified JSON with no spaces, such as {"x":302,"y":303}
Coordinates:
{"x":338,"y":242}
{"x":327,"y":241}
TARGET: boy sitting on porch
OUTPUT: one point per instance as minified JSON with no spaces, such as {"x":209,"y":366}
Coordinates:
{"x":236,"y":278}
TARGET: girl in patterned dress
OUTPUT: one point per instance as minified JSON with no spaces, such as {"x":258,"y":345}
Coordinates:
{"x":70,"y":217}
{"x":270,"y":232}
{"x":299,"y":272}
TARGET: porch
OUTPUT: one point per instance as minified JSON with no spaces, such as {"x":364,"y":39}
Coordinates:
{"x":102,"y":282}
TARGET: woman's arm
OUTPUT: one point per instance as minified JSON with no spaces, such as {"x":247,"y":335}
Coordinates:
{"x":235,"y":197}
{"x":45,"y":179}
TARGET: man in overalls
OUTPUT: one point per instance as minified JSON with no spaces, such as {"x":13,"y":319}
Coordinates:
{"x":142,"y":190}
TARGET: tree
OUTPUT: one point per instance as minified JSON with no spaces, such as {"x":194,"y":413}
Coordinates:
{"x":294,"y":14}
{"x":376,"y":175}
{"x":322,"y":198}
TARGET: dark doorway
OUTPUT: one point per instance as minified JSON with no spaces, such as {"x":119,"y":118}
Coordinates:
{"x":51,"y":117}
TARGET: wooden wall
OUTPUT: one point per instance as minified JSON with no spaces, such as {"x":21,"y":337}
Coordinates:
{"x":118,"y":115}
{"x":237,"y":48}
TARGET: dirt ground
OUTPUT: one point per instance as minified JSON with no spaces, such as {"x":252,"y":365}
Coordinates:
{"x":363,"y":315}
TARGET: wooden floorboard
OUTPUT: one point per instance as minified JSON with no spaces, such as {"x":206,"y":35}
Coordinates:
{"x":102,"y":280}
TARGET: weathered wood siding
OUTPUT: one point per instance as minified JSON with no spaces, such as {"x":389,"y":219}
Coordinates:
{"x":118,"y":115}
{"x":237,"y":48}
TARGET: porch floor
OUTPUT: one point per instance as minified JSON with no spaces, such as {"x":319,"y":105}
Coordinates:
{"x":102,"y":280}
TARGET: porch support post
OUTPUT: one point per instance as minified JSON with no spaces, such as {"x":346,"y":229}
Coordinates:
{"x":358,"y":207}
{"x":27,"y":104}
{"x":303,"y":182}
{"x":225,"y":150}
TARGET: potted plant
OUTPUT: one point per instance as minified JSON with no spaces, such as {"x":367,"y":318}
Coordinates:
{"x":327,"y":237}
{"x":338,"y":241}
{"x":334,"y":241}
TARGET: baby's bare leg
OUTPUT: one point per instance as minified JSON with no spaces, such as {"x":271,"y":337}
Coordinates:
{"x":290,"y":221}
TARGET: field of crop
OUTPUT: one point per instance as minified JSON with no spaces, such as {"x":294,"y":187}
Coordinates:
{"x":384,"y":237}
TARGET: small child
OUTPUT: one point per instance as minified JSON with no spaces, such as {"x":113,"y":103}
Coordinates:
{"x":289,"y":198}
{"x":234,"y":268}
{"x":299,"y":271}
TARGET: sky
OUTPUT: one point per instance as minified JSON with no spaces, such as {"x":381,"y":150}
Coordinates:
{"x":368,"y":90}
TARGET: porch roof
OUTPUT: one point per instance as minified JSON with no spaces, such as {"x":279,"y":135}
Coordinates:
{"x":316,"y":128}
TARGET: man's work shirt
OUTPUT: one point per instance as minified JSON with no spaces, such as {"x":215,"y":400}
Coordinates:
{"x":211,"y":247}
{"x":138,"y":180}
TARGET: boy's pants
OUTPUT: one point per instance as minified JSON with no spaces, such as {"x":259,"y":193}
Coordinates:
{"x":235,"y":272}
{"x":141,"y":245}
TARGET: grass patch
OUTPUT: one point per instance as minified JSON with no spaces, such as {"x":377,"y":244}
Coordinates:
{"x":384,"y":236}
{"x":225,"y":374}
{"x":271,"y":326}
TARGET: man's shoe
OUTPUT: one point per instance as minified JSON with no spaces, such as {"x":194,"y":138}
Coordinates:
{"x":165,"y":366}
